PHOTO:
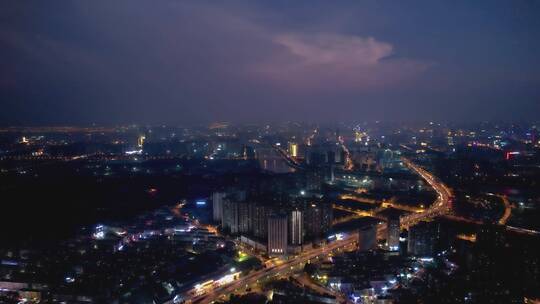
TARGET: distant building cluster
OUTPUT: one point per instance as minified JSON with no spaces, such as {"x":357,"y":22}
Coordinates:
{"x":283,"y":226}
{"x":363,"y":213}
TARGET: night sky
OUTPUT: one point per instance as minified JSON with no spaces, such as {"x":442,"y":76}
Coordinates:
{"x":184,"y":62}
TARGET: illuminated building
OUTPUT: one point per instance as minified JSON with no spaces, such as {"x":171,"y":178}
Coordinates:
{"x":508,"y":155}
{"x":357,"y":136}
{"x":29,"y":294}
{"x":233,"y":207}
{"x":236,"y":216}
{"x":277,"y":235}
{"x":450,"y":141}
{"x":217,"y":203}
{"x":140,"y":141}
{"x":293,"y":149}
{"x":99,"y":232}
{"x":227,"y":279}
{"x":296,"y":227}
{"x":393,"y":230}
{"x":244,"y":220}
{"x":230,"y":216}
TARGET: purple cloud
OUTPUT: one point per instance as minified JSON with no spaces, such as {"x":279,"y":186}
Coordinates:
{"x":332,"y":60}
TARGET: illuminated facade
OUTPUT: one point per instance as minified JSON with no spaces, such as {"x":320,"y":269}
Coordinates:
{"x":293,"y":149}
{"x":392,"y":239}
{"x":277,"y":235}
{"x":357,"y":136}
{"x":236,"y":216}
{"x":217,"y":201}
{"x":296,"y":227}
{"x":230,"y":216}
{"x":140,"y":141}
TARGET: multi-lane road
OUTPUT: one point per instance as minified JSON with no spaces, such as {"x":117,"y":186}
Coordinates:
{"x":441,"y":206}
{"x":271,"y":271}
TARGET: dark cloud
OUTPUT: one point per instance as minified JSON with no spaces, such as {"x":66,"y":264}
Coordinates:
{"x":198,"y":61}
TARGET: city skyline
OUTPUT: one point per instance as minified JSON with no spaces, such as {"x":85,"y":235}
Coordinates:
{"x":270,"y":152}
{"x":286,"y":213}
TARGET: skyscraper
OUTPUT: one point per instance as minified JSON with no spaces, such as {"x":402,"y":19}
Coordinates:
{"x":277,"y":235}
{"x":296,"y":227}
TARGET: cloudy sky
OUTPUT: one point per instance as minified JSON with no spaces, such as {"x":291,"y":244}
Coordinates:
{"x":183,"y":62}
